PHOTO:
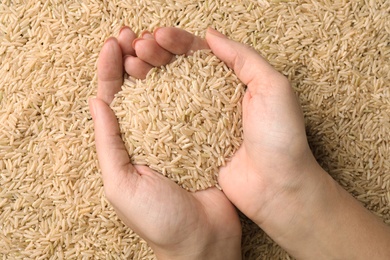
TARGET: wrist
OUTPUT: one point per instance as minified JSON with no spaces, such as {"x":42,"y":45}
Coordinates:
{"x":290,"y":219}
{"x":291,"y":190}
{"x":222,"y":249}
{"x":305,"y":216}
{"x":326,"y":222}
{"x":320,"y":220}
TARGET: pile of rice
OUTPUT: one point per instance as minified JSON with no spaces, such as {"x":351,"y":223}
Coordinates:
{"x":52,"y":204}
{"x":184,"y":120}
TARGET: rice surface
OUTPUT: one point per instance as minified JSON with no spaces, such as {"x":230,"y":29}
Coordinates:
{"x":52,"y":205}
{"x":184,"y":120}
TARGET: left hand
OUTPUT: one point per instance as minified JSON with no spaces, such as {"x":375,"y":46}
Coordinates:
{"x":177,"y":224}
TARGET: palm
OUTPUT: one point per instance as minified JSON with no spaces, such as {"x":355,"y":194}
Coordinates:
{"x":166,"y":215}
{"x":273,"y":132}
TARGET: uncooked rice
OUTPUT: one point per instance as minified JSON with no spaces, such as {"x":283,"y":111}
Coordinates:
{"x":52,"y":205}
{"x":184,"y":120}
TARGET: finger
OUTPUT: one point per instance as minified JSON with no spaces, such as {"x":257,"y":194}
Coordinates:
{"x":147,"y":35}
{"x":251,"y":68}
{"x":136,"y":67}
{"x":148,"y":50}
{"x":125,"y":40}
{"x":113,"y":158}
{"x":178,"y":41}
{"x":110,"y":70}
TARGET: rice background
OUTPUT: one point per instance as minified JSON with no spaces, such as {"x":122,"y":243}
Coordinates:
{"x":52,"y":205}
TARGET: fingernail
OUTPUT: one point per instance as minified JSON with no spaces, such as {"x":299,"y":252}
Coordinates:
{"x":134,"y":42}
{"x":92,"y":107}
{"x":110,"y":39}
{"x":123,"y":28}
{"x":125,"y":58}
{"x":155,"y":31}
{"x":147,"y":35}
{"x":215,"y":32}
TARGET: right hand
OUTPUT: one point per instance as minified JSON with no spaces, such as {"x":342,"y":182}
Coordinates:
{"x":273,"y":166}
{"x":275,"y":180}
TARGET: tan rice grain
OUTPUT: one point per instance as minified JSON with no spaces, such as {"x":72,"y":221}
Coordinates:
{"x":52,"y":204}
{"x":171,"y":120}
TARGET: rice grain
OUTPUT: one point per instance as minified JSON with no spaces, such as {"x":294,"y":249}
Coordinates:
{"x":174,"y":120}
{"x":335,"y":53}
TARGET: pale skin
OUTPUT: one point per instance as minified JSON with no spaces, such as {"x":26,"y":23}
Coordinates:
{"x":273,"y":178}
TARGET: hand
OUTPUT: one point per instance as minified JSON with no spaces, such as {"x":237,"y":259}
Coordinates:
{"x":274,"y":161}
{"x":275,"y":180}
{"x":175,"y":223}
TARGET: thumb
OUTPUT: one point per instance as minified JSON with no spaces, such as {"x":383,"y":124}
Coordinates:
{"x":250,"y":67}
{"x":113,"y":158}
